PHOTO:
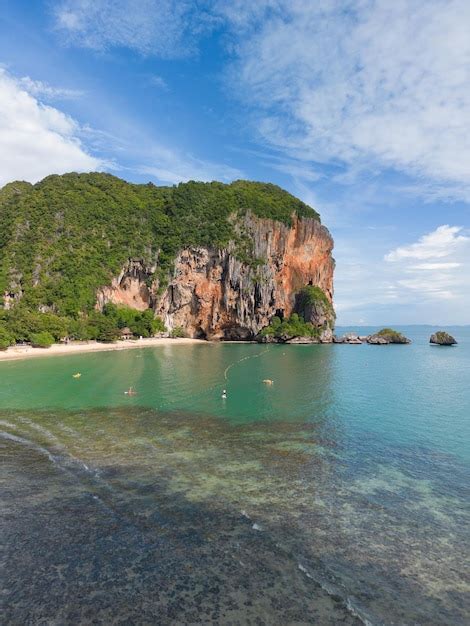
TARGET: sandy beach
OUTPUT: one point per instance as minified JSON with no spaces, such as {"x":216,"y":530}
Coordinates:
{"x":15,"y":353}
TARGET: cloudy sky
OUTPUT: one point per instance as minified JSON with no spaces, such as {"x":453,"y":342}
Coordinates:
{"x":361,"y":108}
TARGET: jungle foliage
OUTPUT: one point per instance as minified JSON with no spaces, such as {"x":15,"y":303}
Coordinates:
{"x":294,"y":326}
{"x":20,"y":325}
{"x":66,"y":236}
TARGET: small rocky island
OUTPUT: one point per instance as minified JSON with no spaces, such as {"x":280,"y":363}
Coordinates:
{"x":387,"y":335}
{"x":441,"y":338}
{"x":296,"y":330}
{"x":382,"y":337}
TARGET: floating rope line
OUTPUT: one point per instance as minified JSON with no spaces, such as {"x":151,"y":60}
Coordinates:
{"x":245,"y":358}
{"x":214,"y":385}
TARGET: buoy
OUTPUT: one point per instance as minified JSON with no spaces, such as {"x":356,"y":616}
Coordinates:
{"x":77,"y":375}
{"x":269,"y":382}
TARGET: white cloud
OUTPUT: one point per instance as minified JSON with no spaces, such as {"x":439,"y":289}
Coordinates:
{"x":242,"y":14}
{"x":297,"y":170}
{"x":434,"y":266}
{"x":40,"y":89}
{"x":426,"y":281}
{"x":365,"y":82}
{"x":442,"y":242}
{"x":171,"y":167}
{"x":166,"y":28}
{"x":35,"y":139}
{"x":158,"y":81}
{"x":434,"y":279}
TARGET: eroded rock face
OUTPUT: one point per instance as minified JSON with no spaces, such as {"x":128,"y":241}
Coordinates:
{"x":133,"y":287}
{"x":377,"y":340}
{"x":212,"y":294}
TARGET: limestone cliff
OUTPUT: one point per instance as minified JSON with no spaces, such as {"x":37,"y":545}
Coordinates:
{"x":213,"y":294}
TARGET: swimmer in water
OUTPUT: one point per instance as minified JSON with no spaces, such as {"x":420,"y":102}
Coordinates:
{"x":224,"y":394}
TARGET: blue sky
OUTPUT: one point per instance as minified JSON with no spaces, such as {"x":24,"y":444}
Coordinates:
{"x":362,"y":109}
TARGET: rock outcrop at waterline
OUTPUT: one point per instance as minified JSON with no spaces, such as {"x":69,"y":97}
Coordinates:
{"x":214,"y":294}
{"x":384,"y":337}
{"x":441,"y":338}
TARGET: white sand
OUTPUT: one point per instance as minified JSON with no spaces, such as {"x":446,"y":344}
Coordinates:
{"x":25,"y":352}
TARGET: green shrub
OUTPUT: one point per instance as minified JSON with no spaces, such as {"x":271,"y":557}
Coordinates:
{"x":42,"y":340}
{"x":389,"y":333}
{"x":393,"y":336}
{"x":313,"y":296}
{"x":178,"y":332}
{"x":141,"y":323}
{"x":294,"y":326}
{"x":6,"y":338}
{"x":22,"y":323}
{"x":107,"y":330}
{"x":158,"y":326}
{"x":81,"y":329}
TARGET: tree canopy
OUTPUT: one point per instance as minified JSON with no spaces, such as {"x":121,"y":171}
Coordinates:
{"x":66,"y":236}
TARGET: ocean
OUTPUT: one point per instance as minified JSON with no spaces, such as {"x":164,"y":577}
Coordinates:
{"x":337,"y":495}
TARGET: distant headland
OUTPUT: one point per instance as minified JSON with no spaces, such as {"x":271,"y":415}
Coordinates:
{"x":84,"y":256}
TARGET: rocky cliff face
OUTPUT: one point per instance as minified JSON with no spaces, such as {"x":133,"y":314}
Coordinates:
{"x":213,"y":294}
{"x":133,"y":287}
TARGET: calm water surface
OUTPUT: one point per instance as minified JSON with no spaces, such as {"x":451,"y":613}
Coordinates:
{"x":339,"y":495}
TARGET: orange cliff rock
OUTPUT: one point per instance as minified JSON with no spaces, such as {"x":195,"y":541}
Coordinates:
{"x":212,"y":294}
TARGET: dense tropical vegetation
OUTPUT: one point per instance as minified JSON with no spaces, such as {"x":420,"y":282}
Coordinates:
{"x":310,"y":303}
{"x":392,"y":335}
{"x":67,"y":235}
{"x":20,"y":325}
{"x":313,"y":296}
{"x":294,"y":326}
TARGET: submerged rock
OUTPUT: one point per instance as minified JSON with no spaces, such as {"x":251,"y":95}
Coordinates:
{"x":442,"y":338}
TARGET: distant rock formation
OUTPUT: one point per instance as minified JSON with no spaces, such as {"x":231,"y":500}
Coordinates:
{"x":441,"y":338}
{"x":383,"y":337}
{"x":377,"y":340}
{"x":386,"y":336}
{"x":351,"y":338}
{"x":302,"y":340}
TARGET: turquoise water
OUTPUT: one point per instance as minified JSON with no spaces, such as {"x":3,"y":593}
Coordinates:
{"x":337,"y":495}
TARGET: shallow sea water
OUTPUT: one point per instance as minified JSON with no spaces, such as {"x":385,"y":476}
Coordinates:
{"x":339,"y":495}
